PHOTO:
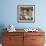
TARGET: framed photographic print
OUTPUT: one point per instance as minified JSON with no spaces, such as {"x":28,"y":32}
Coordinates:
{"x":26,"y":13}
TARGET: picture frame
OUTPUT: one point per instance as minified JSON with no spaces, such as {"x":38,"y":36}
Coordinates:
{"x":26,"y":13}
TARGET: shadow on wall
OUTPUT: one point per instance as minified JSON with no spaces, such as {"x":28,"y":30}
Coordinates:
{"x":2,"y":26}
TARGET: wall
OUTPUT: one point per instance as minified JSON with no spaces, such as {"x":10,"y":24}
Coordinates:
{"x":8,"y":13}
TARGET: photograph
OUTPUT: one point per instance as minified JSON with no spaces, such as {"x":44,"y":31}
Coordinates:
{"x":26,"y":13}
